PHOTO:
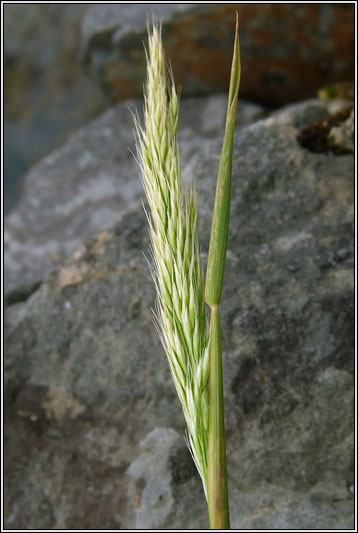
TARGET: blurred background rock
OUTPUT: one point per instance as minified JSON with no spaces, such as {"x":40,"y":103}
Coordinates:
{"x":64,"y":63}
{"x":288,"y":50}
{"x":46,"y":94}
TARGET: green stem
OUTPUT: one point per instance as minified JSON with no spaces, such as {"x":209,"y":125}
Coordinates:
{"x":218,"y":504}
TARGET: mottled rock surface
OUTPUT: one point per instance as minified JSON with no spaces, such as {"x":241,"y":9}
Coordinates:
{"x":94,"y":433}
{"x":288,"y":50}
{"x":85,"y":184}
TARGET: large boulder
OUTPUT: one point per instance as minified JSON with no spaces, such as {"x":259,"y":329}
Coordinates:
{"x":94,"y":431}
{"x":288,"y":50}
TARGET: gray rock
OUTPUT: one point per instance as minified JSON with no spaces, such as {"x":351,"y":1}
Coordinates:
{"x":47,"y":95}
{"x":289,"y":51}
{"x":163,"y":477}
{"x":85,"y":185}
{"x":87,"y":381}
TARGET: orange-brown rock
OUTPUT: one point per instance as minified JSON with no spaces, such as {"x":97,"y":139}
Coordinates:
{"x":288,"y":51}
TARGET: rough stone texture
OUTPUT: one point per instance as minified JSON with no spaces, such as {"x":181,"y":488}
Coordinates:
{"x":288,"y":51}
{"x":342,"y":136}
{"x":46,"y":93}
{"x":94,"y":433}
{"x":85,"y":184}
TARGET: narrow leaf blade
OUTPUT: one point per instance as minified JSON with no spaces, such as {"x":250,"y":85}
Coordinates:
{"x":220,"y":222}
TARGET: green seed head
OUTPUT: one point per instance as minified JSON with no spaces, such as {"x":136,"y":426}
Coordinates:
{"x":180,"y":315}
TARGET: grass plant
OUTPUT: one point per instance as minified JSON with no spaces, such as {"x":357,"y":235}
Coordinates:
{"x":193,"y":348}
